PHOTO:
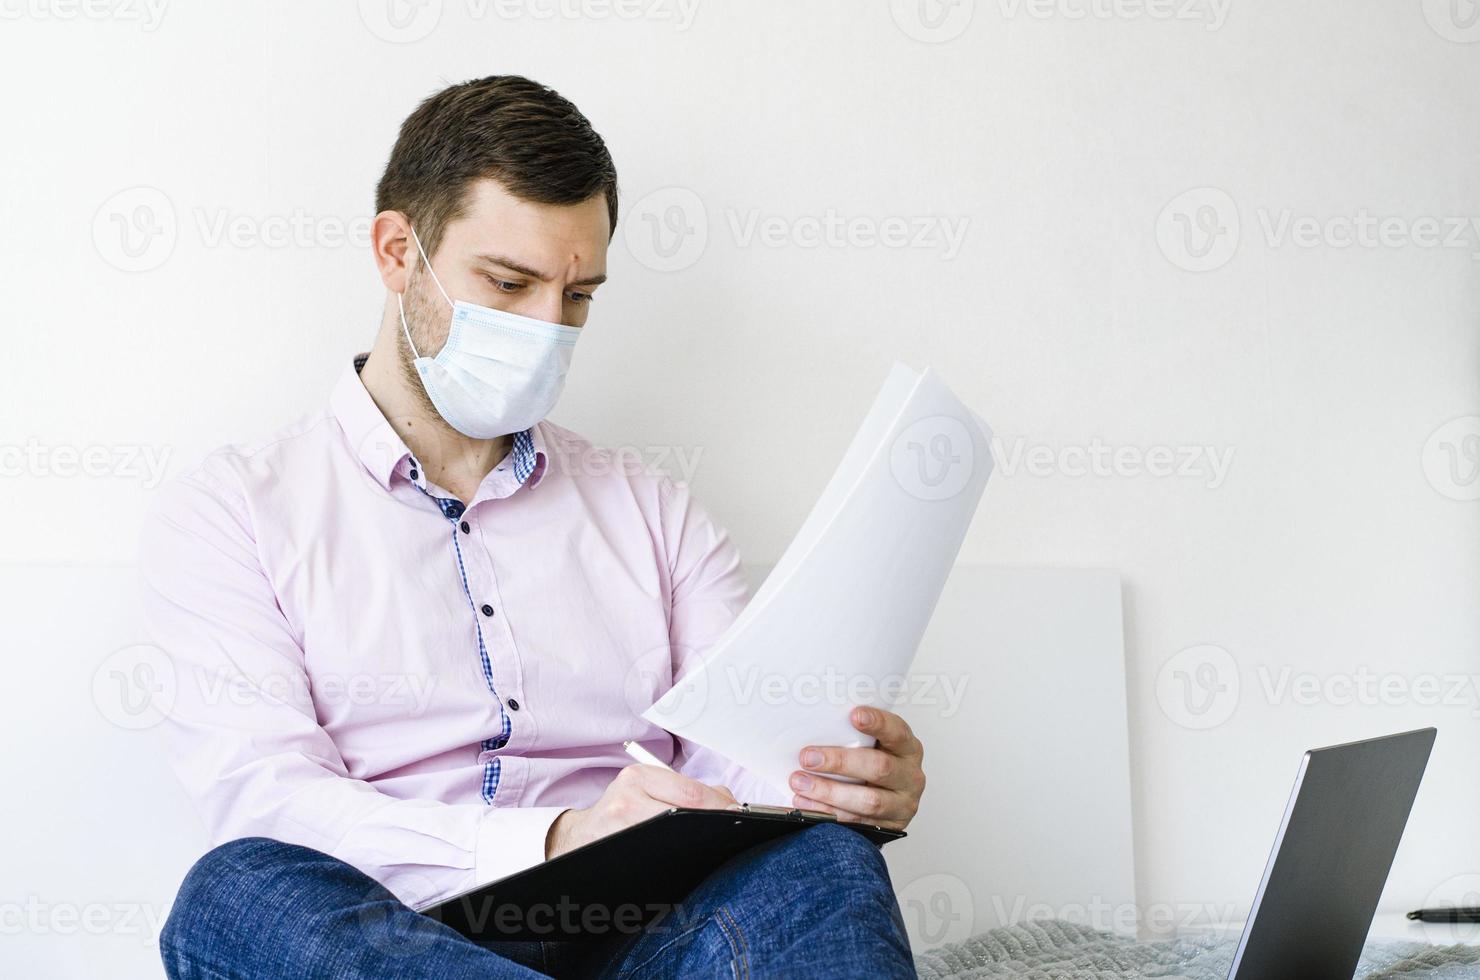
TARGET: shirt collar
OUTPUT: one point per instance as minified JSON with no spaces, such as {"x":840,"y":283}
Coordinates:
{"x":381,"y":450}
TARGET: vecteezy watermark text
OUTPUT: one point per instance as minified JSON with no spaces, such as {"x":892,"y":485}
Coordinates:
{"x":1202,"y":687}
{"x":148,"y":14}
{"x":409,"y":21}
{"x":1208,"y":464}
{"x":1201,"y":230}
{"x":37,"y":917}
{"x":668,"y":230}
{"x":844,"y":689}
{"x":1212,"y":14}
{"x":830,"y":229}
{"x":119,"y":461}
{"x":137,"y":229}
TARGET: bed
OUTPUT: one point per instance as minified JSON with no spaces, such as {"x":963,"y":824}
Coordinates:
{"x":1055,"y":950}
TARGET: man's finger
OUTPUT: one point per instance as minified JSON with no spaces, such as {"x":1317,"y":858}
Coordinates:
{"x":642,"y":808}
{"x":873,"y":803}
{"x":674,"y":789}
{"x":870,"y":765}
{"x":892,"y":731}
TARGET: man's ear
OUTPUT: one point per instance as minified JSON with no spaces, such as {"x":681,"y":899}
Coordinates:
{"x":390,"y":243}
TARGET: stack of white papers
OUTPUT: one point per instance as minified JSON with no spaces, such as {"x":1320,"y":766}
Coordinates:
{"x":837,"y":622}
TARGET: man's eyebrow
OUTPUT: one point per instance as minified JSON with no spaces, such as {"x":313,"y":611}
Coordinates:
{"x":525,"y":270}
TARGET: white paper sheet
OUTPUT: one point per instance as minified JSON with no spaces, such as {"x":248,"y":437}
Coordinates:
{"x":837,"y":621}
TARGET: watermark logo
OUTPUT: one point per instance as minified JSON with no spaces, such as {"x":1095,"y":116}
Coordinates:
{"x":647,"y":684}
{"x":1460,"y":891}
{"x":1365,"y":230}
{"x":943,"y":693}
{"x":401,"y":21}
{"x":680,"y":13}
{"x":679,"y":462}
{"x":1098,"y":459}
{"x":1201,"y":687}
{"x":1198,"y":688}
{"x":1213,"y":14}
{"x":390,"y":932}
{"x":1451,"y":458}
{"x":1125,"y":918}
{"x":648,"y":677}
{"x":135,"y":687}
{"x":932,"y":21}
{"x":563,"y":917}
{"x":122,"y":461}
{"x":148,"y":14}
{"x":1369,"y":688}
{"x":933,"y":458}
{"x":938,"y":909}
{"x":298,"y":229}
{"x":37,"y":917}
{"x":1198,"y":230}
{"x":135,"y":229}
{"x":935,"y":233}
{"x":1454,"y":20}
{"x":411,"y":692}
{"x":668,"y":229}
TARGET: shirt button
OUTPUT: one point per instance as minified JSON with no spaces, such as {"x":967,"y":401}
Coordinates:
{"x":465,"y":528}
{"x":513,"y":705}
{"x":414,"y":474}
{"x":487,"y":609}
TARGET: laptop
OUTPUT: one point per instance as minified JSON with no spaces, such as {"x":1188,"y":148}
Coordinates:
{"x":1331,"y":859}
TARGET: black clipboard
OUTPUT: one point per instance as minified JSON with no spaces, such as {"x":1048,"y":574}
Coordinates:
{"x":628,"y":880}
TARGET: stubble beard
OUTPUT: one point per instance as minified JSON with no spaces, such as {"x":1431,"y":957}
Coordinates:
{"x":419,"y":313}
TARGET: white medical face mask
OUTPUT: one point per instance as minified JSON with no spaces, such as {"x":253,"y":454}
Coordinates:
{"x":499,"y":372}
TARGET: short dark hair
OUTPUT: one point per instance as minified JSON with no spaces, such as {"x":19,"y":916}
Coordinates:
{"x":526,"y":136}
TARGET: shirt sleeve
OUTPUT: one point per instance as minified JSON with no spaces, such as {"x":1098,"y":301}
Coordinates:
{"x":708,"y":590}
{"x":242,"y":732}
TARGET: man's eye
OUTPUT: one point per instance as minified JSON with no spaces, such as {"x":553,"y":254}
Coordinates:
{"x":579,"y":297}
{"x":503,"y":285}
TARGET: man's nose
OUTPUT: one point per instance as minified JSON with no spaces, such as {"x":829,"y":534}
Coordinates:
{"x":549,"y":305}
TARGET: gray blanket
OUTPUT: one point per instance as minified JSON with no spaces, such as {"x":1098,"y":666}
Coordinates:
{"x":1056,"y":950}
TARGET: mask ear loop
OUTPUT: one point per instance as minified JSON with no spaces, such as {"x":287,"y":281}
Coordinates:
{"x":401,"y":303}
{"x":404,"y":329}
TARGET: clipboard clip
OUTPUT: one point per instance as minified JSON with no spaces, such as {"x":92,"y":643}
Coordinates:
{"x":783,"y":811}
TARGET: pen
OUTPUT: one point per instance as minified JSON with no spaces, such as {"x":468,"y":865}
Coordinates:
{"x":645,"y":757}
{"x":1459,"y":913}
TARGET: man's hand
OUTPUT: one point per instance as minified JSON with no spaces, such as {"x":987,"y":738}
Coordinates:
{"x":637,"y":793}
{"x":891,"y":774}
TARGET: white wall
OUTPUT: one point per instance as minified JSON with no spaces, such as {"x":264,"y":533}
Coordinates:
{"x":1070,"y":315}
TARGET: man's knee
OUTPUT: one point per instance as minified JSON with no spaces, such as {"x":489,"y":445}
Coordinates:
{"x":221,"y":872}
{"x":237,"y":882}
{"x":832,"y":855}
{"x":262,"y":908}
{"x":811,"y":893}
{"x":846,"y":850}
{"x":240,"y":856}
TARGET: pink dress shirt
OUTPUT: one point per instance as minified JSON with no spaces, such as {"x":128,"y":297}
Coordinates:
{"x":329,"y":686}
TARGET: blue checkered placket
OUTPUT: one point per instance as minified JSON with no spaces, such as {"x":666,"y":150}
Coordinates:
{"x":524,"y":460}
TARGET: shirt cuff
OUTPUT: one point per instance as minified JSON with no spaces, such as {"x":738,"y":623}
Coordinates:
{"x":512,"y":839}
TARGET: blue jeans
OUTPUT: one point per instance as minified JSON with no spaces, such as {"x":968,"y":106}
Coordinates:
{"x":816,"y":904}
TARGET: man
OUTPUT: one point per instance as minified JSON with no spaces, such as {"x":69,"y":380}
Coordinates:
{"x":411,"y":632}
